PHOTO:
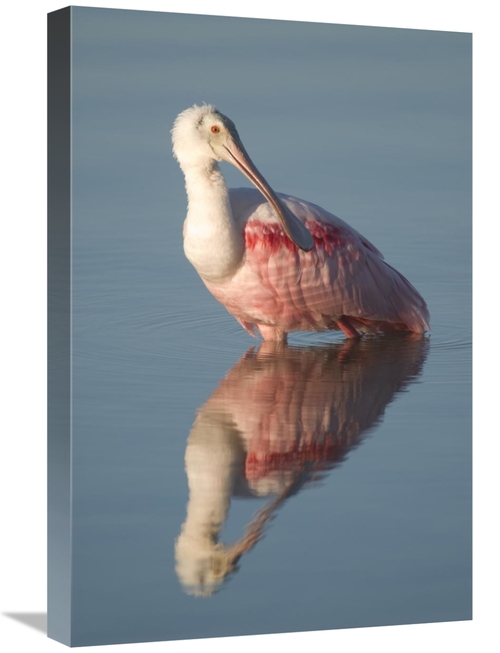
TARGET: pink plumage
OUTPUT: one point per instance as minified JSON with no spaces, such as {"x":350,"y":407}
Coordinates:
{"x":277,"y":263}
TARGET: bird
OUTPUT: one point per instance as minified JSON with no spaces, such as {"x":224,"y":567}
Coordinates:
{"x":280,"y":264}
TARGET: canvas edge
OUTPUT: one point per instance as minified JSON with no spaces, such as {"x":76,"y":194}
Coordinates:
{"x":59,"y":326}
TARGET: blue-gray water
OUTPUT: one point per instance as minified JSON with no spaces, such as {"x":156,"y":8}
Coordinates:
{"x":336,"y":477}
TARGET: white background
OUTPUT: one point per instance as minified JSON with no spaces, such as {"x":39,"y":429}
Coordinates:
{"x":23,"y":320}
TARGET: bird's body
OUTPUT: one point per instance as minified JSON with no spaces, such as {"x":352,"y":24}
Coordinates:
{"x":277,"y":263}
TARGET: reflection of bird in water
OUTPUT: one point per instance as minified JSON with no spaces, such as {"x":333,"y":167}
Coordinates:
{"x":283,"y":264}
{"x":281,"y":418}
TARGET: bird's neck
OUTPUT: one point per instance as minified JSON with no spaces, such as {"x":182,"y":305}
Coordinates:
{"x":213,"y":240}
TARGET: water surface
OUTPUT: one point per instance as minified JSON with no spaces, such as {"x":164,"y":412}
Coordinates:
{"x":221,"y":488}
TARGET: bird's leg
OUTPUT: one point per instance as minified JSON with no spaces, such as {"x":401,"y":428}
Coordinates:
{"x":349,"y":346}
{"x":347,"y":327}
{"x":272,"y":334}
{"x":272,"y":349}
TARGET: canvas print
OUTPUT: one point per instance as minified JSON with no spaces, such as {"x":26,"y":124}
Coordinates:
{"x":259,"y":326}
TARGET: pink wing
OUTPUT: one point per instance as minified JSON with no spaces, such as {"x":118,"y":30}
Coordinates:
{"x":344,"y":275}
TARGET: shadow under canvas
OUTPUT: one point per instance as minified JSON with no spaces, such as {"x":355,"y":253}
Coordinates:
{"x":36,"y":620}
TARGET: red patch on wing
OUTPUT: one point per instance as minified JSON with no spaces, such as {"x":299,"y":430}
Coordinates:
{"x":272,"y":237}
{"x":321,"y":455}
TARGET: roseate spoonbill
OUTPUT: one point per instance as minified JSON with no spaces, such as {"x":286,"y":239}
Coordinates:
{"x":277,"y":263}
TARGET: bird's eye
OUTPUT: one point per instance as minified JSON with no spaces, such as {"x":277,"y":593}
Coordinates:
{"x":215,"y":129}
